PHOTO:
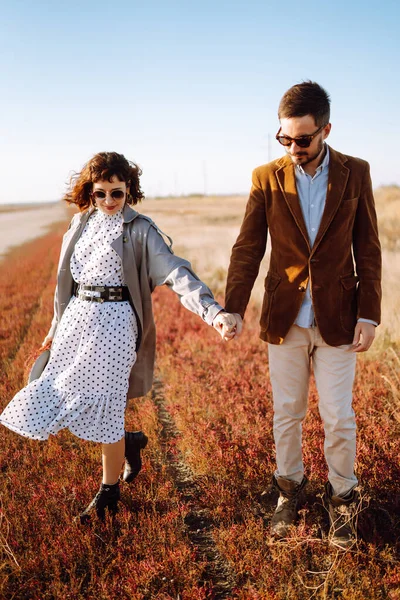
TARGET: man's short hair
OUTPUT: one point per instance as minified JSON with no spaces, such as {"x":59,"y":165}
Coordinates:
{"x":306,"y":98}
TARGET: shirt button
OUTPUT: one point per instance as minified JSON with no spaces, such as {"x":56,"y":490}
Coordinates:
{"x":312,"y":205}
{"x":313,"y":229}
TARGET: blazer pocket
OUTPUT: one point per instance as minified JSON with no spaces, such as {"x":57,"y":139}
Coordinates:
{"x":271,"y":283}
{"x":348,"y":203}
{"x":349,"y":281}
{"x":348,"y":302}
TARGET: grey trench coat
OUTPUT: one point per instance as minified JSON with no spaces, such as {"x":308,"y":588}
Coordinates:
{"x":147,"y":261}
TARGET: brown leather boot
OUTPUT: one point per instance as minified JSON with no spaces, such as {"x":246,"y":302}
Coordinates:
{"x":108,"y":496}
{"x":343,"y":512}
{"x":135,"y":441}
{"x":286,"y":510}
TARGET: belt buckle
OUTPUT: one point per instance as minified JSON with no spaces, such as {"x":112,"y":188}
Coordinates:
{"x":101,"y":289}
{"x":114,"y":294}
{"x":89,"y":294}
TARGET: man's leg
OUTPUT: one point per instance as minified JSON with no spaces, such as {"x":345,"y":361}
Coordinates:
{"x":289,"y":366}
{"x":334,"y":370}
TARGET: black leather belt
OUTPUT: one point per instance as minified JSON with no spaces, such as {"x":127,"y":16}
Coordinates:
{"x":101,"y":293}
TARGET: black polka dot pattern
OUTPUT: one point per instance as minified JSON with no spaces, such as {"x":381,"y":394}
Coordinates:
{"x":85,"y":383}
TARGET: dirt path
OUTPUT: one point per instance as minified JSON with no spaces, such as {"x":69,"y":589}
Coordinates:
{"x":21,"y":225}
{"x":199,"y":524}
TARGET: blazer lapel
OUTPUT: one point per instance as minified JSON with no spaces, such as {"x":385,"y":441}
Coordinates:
{"x":287,"y":183}
{"x":337,"y":181}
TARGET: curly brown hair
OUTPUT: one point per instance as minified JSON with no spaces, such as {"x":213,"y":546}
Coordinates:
{"x":101,"y":167}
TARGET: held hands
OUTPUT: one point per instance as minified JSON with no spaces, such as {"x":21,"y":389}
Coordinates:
{"x":228,"y":325}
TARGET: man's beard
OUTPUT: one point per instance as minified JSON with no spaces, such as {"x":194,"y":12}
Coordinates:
{"x":298,"y":158}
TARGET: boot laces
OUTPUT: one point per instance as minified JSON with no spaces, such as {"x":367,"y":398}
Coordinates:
{"x":288,"y":502}
{"x":344,"y":515}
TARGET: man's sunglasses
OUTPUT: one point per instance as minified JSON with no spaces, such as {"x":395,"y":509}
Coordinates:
{"x":115,"y":194}
{"x":303,"y":141}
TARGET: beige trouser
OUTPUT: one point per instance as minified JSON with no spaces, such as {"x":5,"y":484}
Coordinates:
{"x":334,"y":370}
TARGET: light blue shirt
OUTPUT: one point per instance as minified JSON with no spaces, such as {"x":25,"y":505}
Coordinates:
{"x":312,"y":195}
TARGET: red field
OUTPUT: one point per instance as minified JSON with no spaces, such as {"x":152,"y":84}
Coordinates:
{"x":194,"y":524}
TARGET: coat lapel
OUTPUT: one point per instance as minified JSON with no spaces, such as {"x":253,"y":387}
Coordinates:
{"x":337,"y":181}
{"x":64,"y":278}
{"x":118,"y":244}
{"x":124,"y":248}
{"x":70,"y":238}
{"x":287,"y":183}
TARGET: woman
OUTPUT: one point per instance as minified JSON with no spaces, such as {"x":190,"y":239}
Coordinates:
{"x":103,"y":333}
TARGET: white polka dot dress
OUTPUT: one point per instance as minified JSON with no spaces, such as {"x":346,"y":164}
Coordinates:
{"x":85,"y":384}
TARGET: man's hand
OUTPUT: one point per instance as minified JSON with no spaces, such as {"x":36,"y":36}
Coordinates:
{"x":364,"y":335}
{"x":228,"y":325}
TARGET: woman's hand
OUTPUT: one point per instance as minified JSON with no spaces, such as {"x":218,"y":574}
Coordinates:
{"x":228,"y":325}
{"x":47,"y":341}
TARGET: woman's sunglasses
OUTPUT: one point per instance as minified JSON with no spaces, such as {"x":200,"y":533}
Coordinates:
{"x":303,"y":141}
{"x":115,"y":194}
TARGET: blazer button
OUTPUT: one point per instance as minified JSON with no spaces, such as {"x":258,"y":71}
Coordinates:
{"x":125,"y":239}
{"x":302,"y":288}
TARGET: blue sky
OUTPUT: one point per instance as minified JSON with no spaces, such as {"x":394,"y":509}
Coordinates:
{"x":187,"y":90}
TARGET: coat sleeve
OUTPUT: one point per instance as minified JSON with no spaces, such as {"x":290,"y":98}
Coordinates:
{"x":248,"y":251}
{"x":54,"y":322}
{"x":164,"y":268}
{"x":367,"y":253}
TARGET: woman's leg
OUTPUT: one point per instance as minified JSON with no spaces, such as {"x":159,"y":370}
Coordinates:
{"x":113,"y":457}
{"x":108,"y":495}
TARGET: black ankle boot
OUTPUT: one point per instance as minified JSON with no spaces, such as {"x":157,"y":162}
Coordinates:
{"x":107,"y":497}
{"x":135,"y":441}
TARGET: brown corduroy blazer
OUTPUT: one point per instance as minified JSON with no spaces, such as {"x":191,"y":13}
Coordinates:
{"x":343,"y":266}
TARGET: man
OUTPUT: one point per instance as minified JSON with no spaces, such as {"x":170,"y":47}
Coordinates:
{"x":322,"y":296}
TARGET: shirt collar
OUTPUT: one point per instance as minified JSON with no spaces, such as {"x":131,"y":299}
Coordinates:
{"x":323,"y":165}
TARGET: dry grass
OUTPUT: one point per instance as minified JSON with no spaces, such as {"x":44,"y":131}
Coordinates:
{"x":387,"y":200}
{"x":217,"y":400}
{"x":220,"y":399}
